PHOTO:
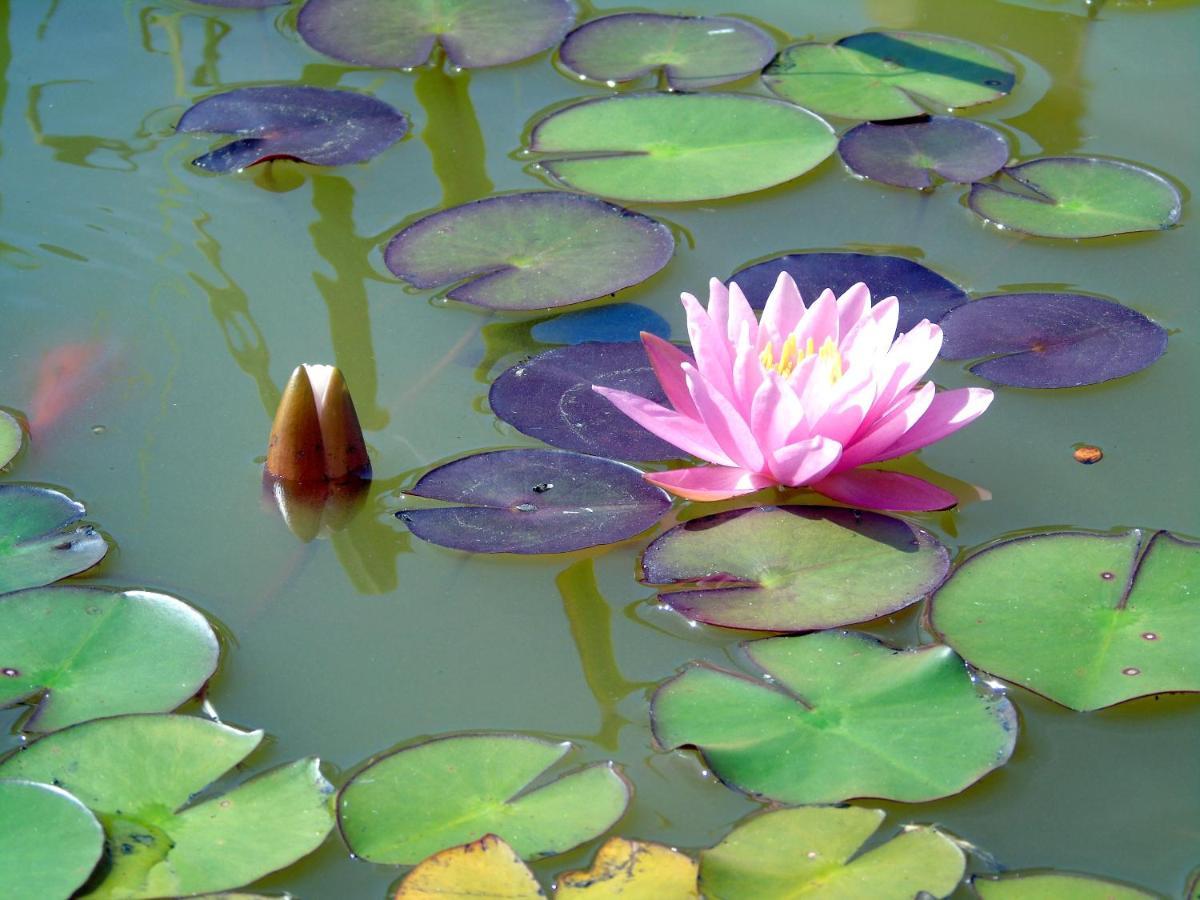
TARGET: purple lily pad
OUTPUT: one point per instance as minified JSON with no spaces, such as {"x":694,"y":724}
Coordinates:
{"x":534,"y":501}
{"x":313,"y":125}
{"x":551,"y":398}
{"x":1051,"y":340}
{"x":923,"y":293}
{"x":910,"y":154}
{"x":692,"y":51}
{"x":533,"y":250}
{"x":613,"y":322}
{"x":401,"y":33}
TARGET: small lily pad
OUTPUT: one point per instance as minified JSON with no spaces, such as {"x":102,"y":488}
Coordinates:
{"x":888,"y":75}
{"x":1079,"y":197}
{"x":810,"y":852}
{"x":911,"y":154}
{"x":139,"y":775}
{"x":632,"y":870}
{"x":611,"y":323}
{"x":11,"y":438}
{"x":1041,"y":885}
{"x":550,"y":397}
{"x":921,"y":292}
{"x":1051,"y":340}
{"x":532,"y":250}
{"x":691,"y":51}
{"x":794,"y":568}
{"x":37,"y":545}
{"x":834,"y":715}
{"x":1085,"y":619}
{"x":472,"y":33}
{"x":678,"y":147}
{"x":314,"y":125}
{"x":534,"y":501}
{"x":421,"y":799}
{"x":85,"y":653}
{"x":486,"y":868}
{"x":49,"y":841}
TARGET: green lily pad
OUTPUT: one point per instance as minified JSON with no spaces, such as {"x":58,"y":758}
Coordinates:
{"x":1078,"y":197}
{"x":677,"y":147}
{"x":49,"y":841}
{"x":36,"y":545}
{"x":84,"y":653}
{"x":11,"y":438}
{"x":413,"y":802}
{"x":794,"y":568}
{"x":138,"y":774}
{"x":1085,"y":619}
{"x":1055,"y":886}
{"x":834,"y":715}
{"x":806,"y":852}
{"x":889,"y":75}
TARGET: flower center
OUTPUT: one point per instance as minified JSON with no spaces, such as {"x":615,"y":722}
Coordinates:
{"x":791,"y":356}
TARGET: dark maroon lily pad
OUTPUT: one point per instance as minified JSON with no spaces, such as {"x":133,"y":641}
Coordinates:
{"x":923,"y":293}
{"x":692,"y":51}
{"x":313,"y":125}
{"x":401,"y":33}
{"x":551,"y":398}
{"x":1051,"y":340}
{"x":612,"y":322}
{"x":534,"y":501}
{"x":533,"y":250}
{"x":912,"y":153}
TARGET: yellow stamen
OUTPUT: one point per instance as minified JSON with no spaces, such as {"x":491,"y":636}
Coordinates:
{"x":791,"y":356}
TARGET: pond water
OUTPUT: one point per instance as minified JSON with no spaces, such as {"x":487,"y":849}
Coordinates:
{"x":200,"y":293}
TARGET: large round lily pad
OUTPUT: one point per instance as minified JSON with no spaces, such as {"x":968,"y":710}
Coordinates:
{"x":534,"y":501}
{"x":139,"y":775}
{"x":834,"y":715}
{"x":921,"y":292}
{"x":811,"y":852}
{"x":1085,"y":619}
{"x":613,"y":323}
{"x":1051,"y":340}
{"x":691,"y":51}
{"x":1079,"y":197}
{"x":1042,"y":885}
{"x":472,"y":33}
{"x":314,"y":125}
{"x":550,"y":397}
{"x":49,"y":841}
{"x":794,"y":568}
{"x":912,"y":154}
{"x":11,"y":438}
{"x":533,"y":250}
{"x":677,"y":147}
{"x":37,"y":544}
{"x":85,"y":653}
{"x":424,"y":798}
{"x":889,"y":75}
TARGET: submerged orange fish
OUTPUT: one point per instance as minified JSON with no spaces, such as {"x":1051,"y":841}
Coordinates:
{"x":68,"y":375}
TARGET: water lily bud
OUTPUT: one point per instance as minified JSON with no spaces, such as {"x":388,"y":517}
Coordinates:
{"x":316,"y":435}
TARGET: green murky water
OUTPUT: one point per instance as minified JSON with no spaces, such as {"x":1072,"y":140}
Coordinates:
{"x":204,"y":292}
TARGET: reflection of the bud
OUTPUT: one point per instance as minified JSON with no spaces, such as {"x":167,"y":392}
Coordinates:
{"x":313,"y":509}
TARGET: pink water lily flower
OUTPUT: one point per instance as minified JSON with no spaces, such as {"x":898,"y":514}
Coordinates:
{"x":801,"y":398}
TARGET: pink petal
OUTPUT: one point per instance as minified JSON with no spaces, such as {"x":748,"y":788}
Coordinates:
{"x":710,"y":347}
{"x":906,"y":363}
{"x":871,"y":445}
{"x":820,"y":321}
{"x":874,"y":489}
{"x":806,"y":461}
{"x":718,"y":305}
{"x":869,"y":339}
{"x":949,"y":411}
{"x":846,"y":405}
{"x":709,"y":482}
{"x":667,"y":360}
{"x":748,"y":372}
{"x":784,"y":308}
{"x":689,"y":435}
{"x":776,"y":413}
{"x":725,"y":422}
{"x":740,"y":314}
{"x":852,"y":305}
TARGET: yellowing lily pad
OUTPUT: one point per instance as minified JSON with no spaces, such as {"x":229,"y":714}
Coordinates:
{"x":787,"y":854}
{"x":140,"y":774}
{"x":420,"y":799}
{"x":11,"y":438}
{"x":632,"y":870}
{"x":486,"y":869}
{"x":677,"y":147}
